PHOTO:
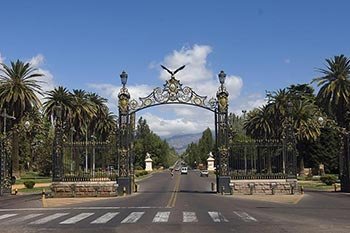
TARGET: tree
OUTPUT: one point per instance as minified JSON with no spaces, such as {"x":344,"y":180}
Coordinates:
{"x":148,"y":142}
{"x":334,"y":94}
{"x":267,"y":121}
{"x":60,"y":96}
{"x":18,"y":94}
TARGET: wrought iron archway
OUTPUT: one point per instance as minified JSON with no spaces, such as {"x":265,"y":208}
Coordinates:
{"x":172,"y":92}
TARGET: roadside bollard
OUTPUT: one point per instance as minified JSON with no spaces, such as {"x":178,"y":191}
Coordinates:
{"x":273,"y":188}
{"x":292,"y":187}
{"x":43,"y":199}
{"x":212,"y":186}
{"x":124,"y":191}
{"x":335,"y":187}
{"x":232,"y":186}
{"x":301,"y":189}
{"x":251,"y":188}
{"x":136,"y":187}
{"x":222,"y":190}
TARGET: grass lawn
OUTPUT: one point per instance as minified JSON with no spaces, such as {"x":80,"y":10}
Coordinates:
{"x":34,"y":190}
{"x":317,"y":185}
{"x":34,"y":177}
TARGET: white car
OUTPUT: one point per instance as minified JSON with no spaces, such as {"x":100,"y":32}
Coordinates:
{"x":184,"y":170}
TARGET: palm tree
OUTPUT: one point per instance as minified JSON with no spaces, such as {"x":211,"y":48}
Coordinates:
{"x":60,"y":96}
{"x":19,"y":88}
{"x":101,"y":110}
{"x":106,"y":126}
{"x":258,"y":123}
{"x":334,"y":94}
{"x":18,"y":94}
{"x":82,"y":112}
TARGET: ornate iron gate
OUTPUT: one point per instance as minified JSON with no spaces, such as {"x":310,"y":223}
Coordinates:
{"x":172,"y":92}
{"x":5,"y":166}
{"x":81,"y":161}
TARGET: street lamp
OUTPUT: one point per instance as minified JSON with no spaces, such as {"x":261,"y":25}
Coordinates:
{"x":27,"y":128}
{"x":93,"y":155}
{"x":124,"y":78}
{"x":222,"y":77}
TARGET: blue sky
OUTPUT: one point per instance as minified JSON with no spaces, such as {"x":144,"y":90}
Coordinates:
{"x":261,"y":45}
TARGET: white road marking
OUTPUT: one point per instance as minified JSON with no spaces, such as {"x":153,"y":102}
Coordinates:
{"x":245,"y":216}
{"x":161,"y":217}
{"x":86,"y":208}
{"x":48,"y":218}
{"x":23,"y":218}
{"x":76,"y":218}
{"x":105,"y":218}
{"x":133,"y":217}
{"x":7,"y":216}
{"x":189,"y":217}
{"x":217,"y":217}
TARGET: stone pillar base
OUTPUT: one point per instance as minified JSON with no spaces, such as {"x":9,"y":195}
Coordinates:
{"x":277,"y":186}
{"x":84,"y":189}
{"x":124,"y":185}
{"x":223,"y":184}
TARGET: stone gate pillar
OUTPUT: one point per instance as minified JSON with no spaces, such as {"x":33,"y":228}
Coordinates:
{"x":148,"y":162}
{"x":210,"y":162}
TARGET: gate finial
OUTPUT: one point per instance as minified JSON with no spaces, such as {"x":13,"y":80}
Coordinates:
{"x":171,"y":72}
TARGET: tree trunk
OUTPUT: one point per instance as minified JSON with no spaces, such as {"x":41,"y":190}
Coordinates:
{"x":301,"y":166}
{"x":15,"y":154}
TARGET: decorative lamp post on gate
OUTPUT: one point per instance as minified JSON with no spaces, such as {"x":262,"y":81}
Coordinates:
{"x":221,"y":120}
{"x":57,"y":155}
{"x":289,"y":145}
{"x":124,"y":140}
{"x":6,"y":179}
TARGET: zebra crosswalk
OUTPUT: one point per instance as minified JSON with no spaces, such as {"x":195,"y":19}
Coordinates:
{"x":93,"y":218}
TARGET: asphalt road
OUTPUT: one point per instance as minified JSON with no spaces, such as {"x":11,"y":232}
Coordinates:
{"x":183,"y":203}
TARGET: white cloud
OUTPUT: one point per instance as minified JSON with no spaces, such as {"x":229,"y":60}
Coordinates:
{"x":47,"y":82}
{"x":248,"y":103}
{"x":2,"y":59}
{"x":169,"y":127}
{"x":180,"y":119}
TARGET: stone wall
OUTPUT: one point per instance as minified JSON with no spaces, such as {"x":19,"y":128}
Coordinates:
{"x":84,"y":189}
{"x":280,"y":186}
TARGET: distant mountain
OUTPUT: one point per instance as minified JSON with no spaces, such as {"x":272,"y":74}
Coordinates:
{"x":180,"y":142}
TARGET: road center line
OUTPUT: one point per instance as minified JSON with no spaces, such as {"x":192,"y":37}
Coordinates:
{"x":172,"y":200}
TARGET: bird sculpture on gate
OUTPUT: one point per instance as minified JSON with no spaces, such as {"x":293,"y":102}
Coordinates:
{"x":171,"y":72}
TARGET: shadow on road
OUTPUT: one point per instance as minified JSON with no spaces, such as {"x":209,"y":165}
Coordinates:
{"x":196,"y":191}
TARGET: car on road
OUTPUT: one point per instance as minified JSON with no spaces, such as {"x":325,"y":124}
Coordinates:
{"x":204,"y":173}
{"x":184,"y":171}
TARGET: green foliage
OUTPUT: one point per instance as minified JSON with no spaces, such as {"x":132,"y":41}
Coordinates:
{"x":29,"y":184}
{"x":141,"y":173}
{"x":148,"y":142}
{"x":334,"y":94}
{"x":329,"y":179}
{"x":198,"y":152}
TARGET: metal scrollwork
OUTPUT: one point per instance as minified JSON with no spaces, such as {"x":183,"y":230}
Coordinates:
{"x":172,"y":92}
{"x":224,"y":171}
